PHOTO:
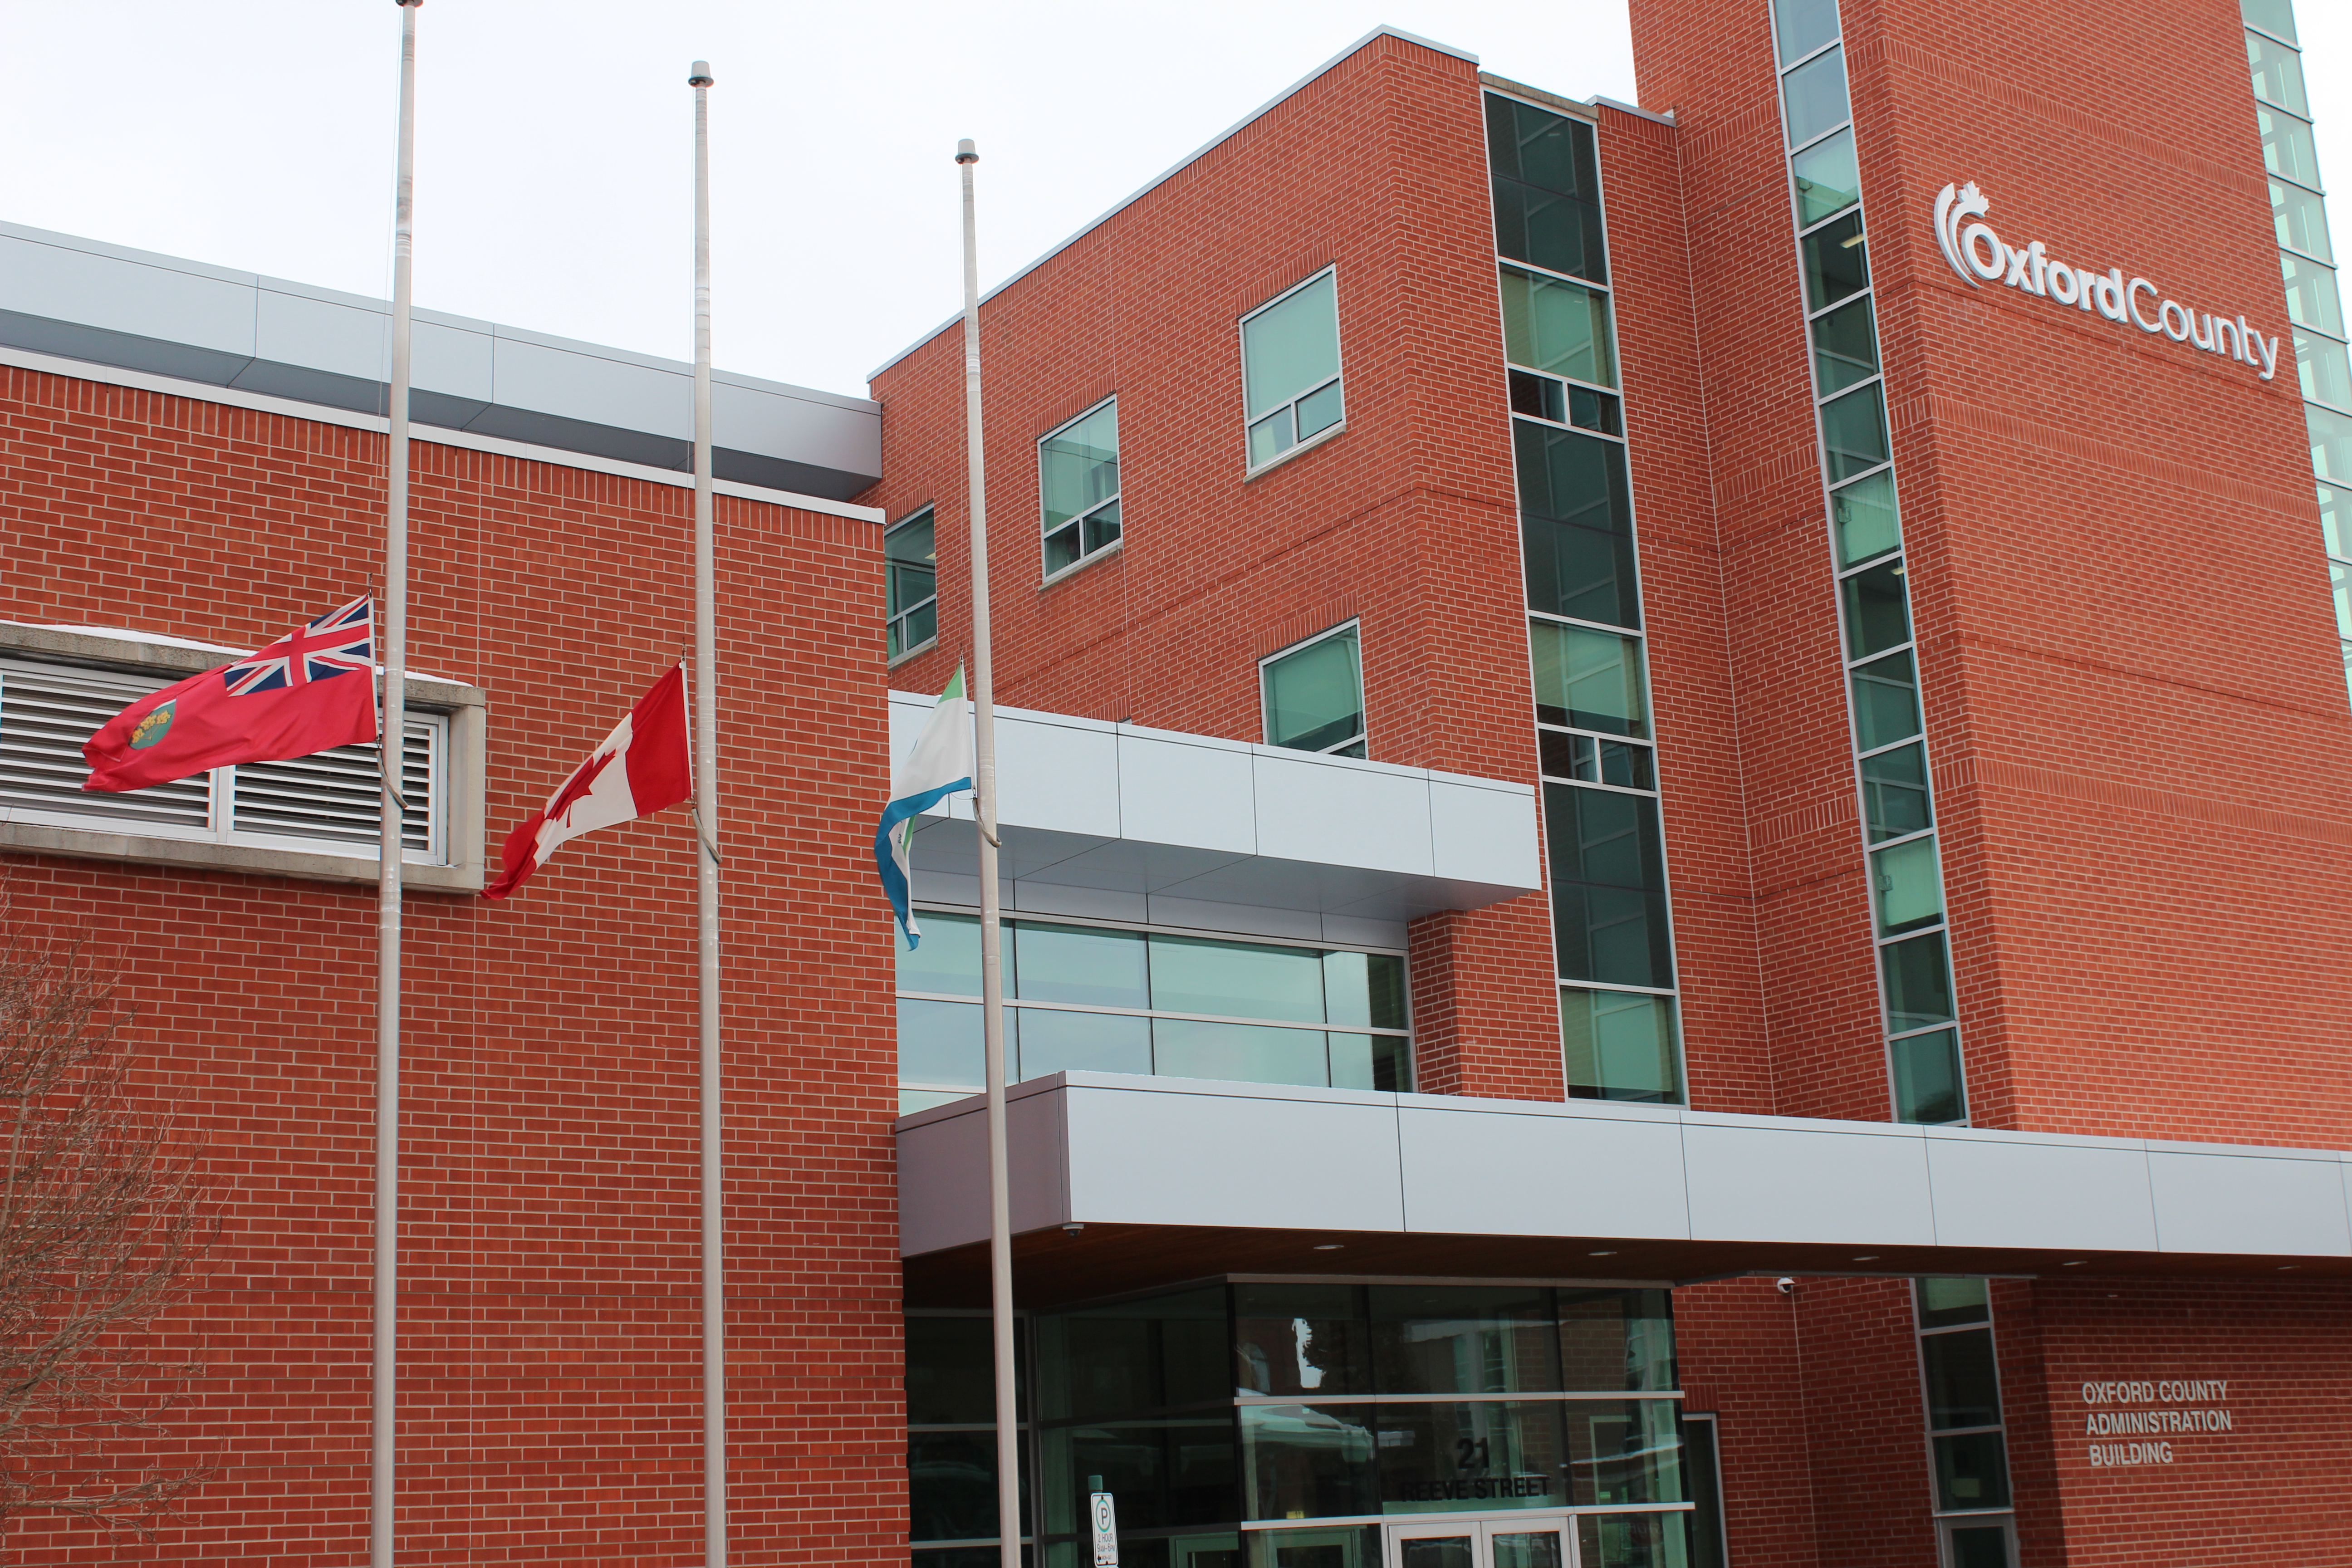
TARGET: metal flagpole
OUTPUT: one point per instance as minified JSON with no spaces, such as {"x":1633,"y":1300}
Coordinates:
{"x":991,"y":955}
{"x":706,"y":860}
{"x":389,"y":735}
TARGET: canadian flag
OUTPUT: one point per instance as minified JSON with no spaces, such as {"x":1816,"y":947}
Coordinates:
{"x":642,"y":766}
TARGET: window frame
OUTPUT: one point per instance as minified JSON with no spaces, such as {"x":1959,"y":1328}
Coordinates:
{"x":1339,"y":378}
{"x":1077,"y":519}
{"x":457,"y":713}
{"x":1363,"y":735}
{"x":931,"y":511}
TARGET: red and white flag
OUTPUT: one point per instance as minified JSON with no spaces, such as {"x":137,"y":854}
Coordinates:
{"x":644,"y":765}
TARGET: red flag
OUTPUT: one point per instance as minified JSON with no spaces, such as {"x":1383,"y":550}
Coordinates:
{"x":642,"y":766}
{"x":291,"y":700}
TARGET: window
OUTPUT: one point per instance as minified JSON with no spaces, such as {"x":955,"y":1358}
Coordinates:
{"x":911,"y":578}
{"x":1315,"y":695}
{"x":1290,"y":368}
{"x":1546,"y":189}
{"x":1960,"y":1382}
{"x":328,"y":804}
{"x":1096,"y":997}
{"x":1077,"y":487}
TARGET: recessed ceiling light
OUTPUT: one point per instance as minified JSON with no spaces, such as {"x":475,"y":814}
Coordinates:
{"x":1329,"y":1246}
{"x":2289,"y":1268}
{"x":1609,"y":1254}
{"x":2076,"y":1264}
{"x":1866,"y":1258}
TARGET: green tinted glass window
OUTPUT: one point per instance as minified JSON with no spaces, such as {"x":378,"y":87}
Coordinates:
{"x":1878,"y":609}
{"x":1556,"y":326}
{"x":2277,"y":71}
{"x":1135,"y":1355}
{"x":2312,"y":299}
{"x":1576,"y":525}
{"x":1078,"y":481}
{"x":1314,"y":696}
{"x":1927,"y":1070}
{"x":1078,"y":964}
{"x":1837,"y":262}
{"x":1845,"y":348}
{"x":1310,"y":1461}
{"x":947,"y":962}
{"x":1608,"y":900}
{"x":1617,"y":1339}
{"x":2288,"y":148}
{"x":1906,"y":886}
{"x":911,"y":584}
{"x":1301,"y":1339}
{"x":2301,"y":219}
{"x":1238,"y":1053}
{"x":1868,"y":522}
{"x":1944,"y":1302}
{"x":1621,"y":1044}
{"x":1963,"y":1389}
{"x":1853,"y":432}
{"x":1800,"y":26}
{"x":2274,"y":16}
{"x":1918,"y":981}
{"x":1046,"y":1041}
{"x":1365,"y":988}
{"x":940,"y":1043}
{"x":2322,"y":364}
{"x":1828,"y":180}
{"x":1886,"y":702}
{"x":1814,"y":96}
{"x":1546,"y":189}
{"x":1895,"y":791}
{"x":1236,"y":979}
{"x":2331,"y":444}
{"x":1588,"y":679}
{"x":2336,"y":519}
{"x":1290,"y":360}
{"x":1971,"y":1471}
{"x":1458,"y":1340}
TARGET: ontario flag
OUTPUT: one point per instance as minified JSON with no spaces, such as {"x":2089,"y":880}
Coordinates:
{"x":291,"y":700}
{"x":644,"y":765}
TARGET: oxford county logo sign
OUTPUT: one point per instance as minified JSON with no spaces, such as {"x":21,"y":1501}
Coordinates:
{"x":1979,"y":255}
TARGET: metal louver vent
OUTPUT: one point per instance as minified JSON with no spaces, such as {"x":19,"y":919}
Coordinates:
{"x":327,"y":801}
{"x":46,"y":715}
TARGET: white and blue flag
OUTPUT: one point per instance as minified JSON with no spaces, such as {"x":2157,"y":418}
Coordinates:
{"x":938,"y":764}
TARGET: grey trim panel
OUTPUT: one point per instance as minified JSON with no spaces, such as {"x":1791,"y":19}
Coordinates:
{"x":1262,"y":1157}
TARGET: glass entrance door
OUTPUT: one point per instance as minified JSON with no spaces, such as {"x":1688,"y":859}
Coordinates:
{"x":1515,"y":1542}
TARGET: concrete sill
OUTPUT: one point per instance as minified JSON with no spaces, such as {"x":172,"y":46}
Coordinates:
{"x":39,"y":839}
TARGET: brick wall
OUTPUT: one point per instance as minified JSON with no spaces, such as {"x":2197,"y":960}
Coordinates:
{"x":550,"y":1333}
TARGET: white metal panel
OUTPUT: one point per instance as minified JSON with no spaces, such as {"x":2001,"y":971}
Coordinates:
{"x":448,"y":358}
{"x":1993,"y":1189}
{"x":2220,"y":1202}
{"x":1778,"y":1179}
{"x":69,"y":284}
{"x":759,"y":419}
{"x":600,"y":391}
{"x":940,"y":1203}
{"x":1202,"y":797}
{"x":1482,"y":834}
{"x":1485,"y":1170}
{"x":1297,"y":1159}
{"x":1063,"y":776}
{"x":321,"y":334}
{"x":1308,"y":809}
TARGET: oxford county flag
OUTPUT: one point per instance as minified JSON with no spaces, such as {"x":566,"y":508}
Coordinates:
{"x":938,"y":764}
{"x":289,"y":700}
{"x":644,"y":765}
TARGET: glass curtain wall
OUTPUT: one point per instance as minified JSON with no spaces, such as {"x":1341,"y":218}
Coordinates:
{"x":2307,"y":262}
{"x":1611,"y":927}
{"x":1870,"y":567}
{"x":1105,"y":998}
{"x":1961,"y":1380}
{"x":1279,"y":1423}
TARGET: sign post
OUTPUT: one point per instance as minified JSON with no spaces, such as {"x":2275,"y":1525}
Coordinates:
{"x":1106,"y":1523}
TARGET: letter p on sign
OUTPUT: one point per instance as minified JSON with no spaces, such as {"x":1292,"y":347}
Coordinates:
{"x":1106,"y":1523}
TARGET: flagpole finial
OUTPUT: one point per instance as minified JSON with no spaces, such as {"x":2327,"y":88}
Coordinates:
{"x":966,"y":152}
{"x":404,"y":5}
{"x":700,"y":76}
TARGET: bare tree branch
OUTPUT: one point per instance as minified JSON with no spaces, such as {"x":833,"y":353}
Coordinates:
{"x":102,"y":1225}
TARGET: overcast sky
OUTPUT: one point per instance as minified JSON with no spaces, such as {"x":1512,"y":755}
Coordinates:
{"x":554,"y":140}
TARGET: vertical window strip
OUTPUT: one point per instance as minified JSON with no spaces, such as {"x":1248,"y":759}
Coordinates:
{"x":2321,"y":359}
{"x":1612,"y":938}
{"x":1960,"y":1385}
{"x":1869,"y":572}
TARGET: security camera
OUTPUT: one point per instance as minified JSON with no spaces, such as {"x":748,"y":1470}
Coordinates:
{"x":1786,"y":1286}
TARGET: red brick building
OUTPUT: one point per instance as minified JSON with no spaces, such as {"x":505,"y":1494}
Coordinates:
{"x":1672,"y":833}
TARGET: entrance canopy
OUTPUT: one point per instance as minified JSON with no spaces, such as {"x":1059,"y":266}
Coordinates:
{"x":1177,"y":1178}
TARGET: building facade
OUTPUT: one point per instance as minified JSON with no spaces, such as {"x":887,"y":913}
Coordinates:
{"x":1615,"y":955}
